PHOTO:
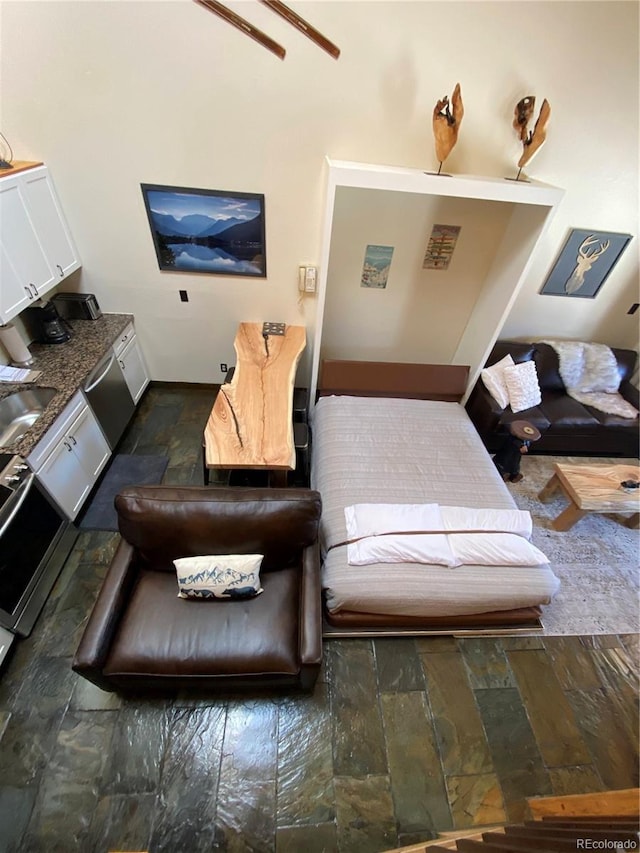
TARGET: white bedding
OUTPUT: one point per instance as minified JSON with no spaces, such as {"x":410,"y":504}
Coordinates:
{"x":448,"y":536}
{"x":370,"y":450}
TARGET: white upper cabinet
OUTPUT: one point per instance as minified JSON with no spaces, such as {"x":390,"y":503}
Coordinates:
{"x":26,"y":273}
{"x":36,"y":247}
{"x":48,"y":219}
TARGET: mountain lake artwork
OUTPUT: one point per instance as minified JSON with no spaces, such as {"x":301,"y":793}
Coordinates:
{"x":207,"y":231}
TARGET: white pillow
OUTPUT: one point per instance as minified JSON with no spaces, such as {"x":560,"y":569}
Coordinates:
{"x":226,"y":576}
{"x":522,"y":385}
{"x":494,"y":549}
{"x":430,"y":548}
{"x":493,"y":378}
{"x":372,"y":519}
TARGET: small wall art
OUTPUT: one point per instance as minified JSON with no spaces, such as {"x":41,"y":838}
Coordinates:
{"x":375,"y":271}
{"x":207,"y":231}
{"x":585,"y":262}
{"x":441,"y":245}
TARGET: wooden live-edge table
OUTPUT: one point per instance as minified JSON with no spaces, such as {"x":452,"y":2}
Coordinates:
{"x":593,"y":488}
{"x":251,"y":422}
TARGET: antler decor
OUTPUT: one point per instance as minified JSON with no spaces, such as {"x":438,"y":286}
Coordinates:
{"x":446,"y":124}
{"x":533,"y":140}
{"x":585,"y":259}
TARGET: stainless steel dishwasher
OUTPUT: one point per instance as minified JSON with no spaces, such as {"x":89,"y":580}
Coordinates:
{"x":110,"y":399}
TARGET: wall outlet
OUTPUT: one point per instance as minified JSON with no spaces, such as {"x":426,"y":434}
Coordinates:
{"x":224,"y":368}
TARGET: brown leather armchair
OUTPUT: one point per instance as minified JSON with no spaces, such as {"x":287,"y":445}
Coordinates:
{"x":141,"y":636}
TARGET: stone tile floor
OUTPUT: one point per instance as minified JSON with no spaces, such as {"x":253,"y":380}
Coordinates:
{"x":401,"y":737}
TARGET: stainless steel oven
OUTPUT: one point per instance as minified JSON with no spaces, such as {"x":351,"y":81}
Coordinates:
{"x":35,"y":541}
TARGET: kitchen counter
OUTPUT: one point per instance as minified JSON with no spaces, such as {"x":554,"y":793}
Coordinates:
{"x":65,"y":367}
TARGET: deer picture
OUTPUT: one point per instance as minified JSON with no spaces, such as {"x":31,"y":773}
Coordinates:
{"x":585,"y":259}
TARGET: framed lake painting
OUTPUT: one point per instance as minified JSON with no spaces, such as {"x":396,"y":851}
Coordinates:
{"x":207,"y":231}
{"x":585,"y":262}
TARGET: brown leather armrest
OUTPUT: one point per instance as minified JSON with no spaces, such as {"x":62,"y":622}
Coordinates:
{"x":109,"y":607}
{"x":310,"y":614}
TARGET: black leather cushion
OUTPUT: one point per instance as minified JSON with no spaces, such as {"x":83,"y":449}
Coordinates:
{"x":165,"y":522}
{"x":547,"y":368}
{"x":564,"y":411}
{"x":517,"y":350}
{"x":613,"y":421}
{"x":163,"y":635}
{"x":534,"y":415}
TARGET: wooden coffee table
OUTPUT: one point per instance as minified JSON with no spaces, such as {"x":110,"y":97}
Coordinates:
{"x":593,"y":488}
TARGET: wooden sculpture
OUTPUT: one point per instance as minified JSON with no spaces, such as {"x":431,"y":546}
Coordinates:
{"x":446,"y":124}
{"x":533,"y":140}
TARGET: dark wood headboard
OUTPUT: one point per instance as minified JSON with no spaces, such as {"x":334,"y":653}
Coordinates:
{"x":446,"y":382}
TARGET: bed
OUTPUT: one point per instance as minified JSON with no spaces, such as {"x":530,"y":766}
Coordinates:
{"x":391,"y":446}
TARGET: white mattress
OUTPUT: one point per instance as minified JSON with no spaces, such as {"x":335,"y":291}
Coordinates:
{"x":368,"y":450}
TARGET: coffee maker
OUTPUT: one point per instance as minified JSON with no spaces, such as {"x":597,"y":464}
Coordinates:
{"x":49,"y":327}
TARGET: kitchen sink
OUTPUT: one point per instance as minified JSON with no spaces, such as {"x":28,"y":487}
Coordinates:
{"x":21,"y":410}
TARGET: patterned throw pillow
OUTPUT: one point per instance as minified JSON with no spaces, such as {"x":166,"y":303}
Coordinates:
{"x":522,"y":385}
{"x":493,"y":378}
{"x":225,"y":576}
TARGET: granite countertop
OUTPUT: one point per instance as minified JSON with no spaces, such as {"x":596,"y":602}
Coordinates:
{"x":65,"y":367}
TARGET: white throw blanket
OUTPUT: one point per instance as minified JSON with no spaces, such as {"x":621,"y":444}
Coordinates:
{"x":590,"y":375}
{"x":441,"y":535}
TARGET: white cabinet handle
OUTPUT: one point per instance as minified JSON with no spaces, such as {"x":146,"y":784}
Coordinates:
{"x":60,"y":269}
{"x":68,"y":446}
{"x":29,"y":294}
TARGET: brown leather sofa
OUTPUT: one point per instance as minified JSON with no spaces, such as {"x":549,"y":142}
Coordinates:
{"x":141,"y":636}
{"x":567,"y":426}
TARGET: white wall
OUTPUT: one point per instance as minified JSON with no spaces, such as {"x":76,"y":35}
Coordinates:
{"x":421,"y":314}
{"x":112,"y":94}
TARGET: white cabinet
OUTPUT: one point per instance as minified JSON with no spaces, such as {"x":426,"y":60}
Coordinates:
{"x":48,"y":219}
{"x":131,"y":361}
{"x":25,"y":271}
{"x":36,"y":247}
{"x":71,"y":456}
{"x":14,"y":296}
